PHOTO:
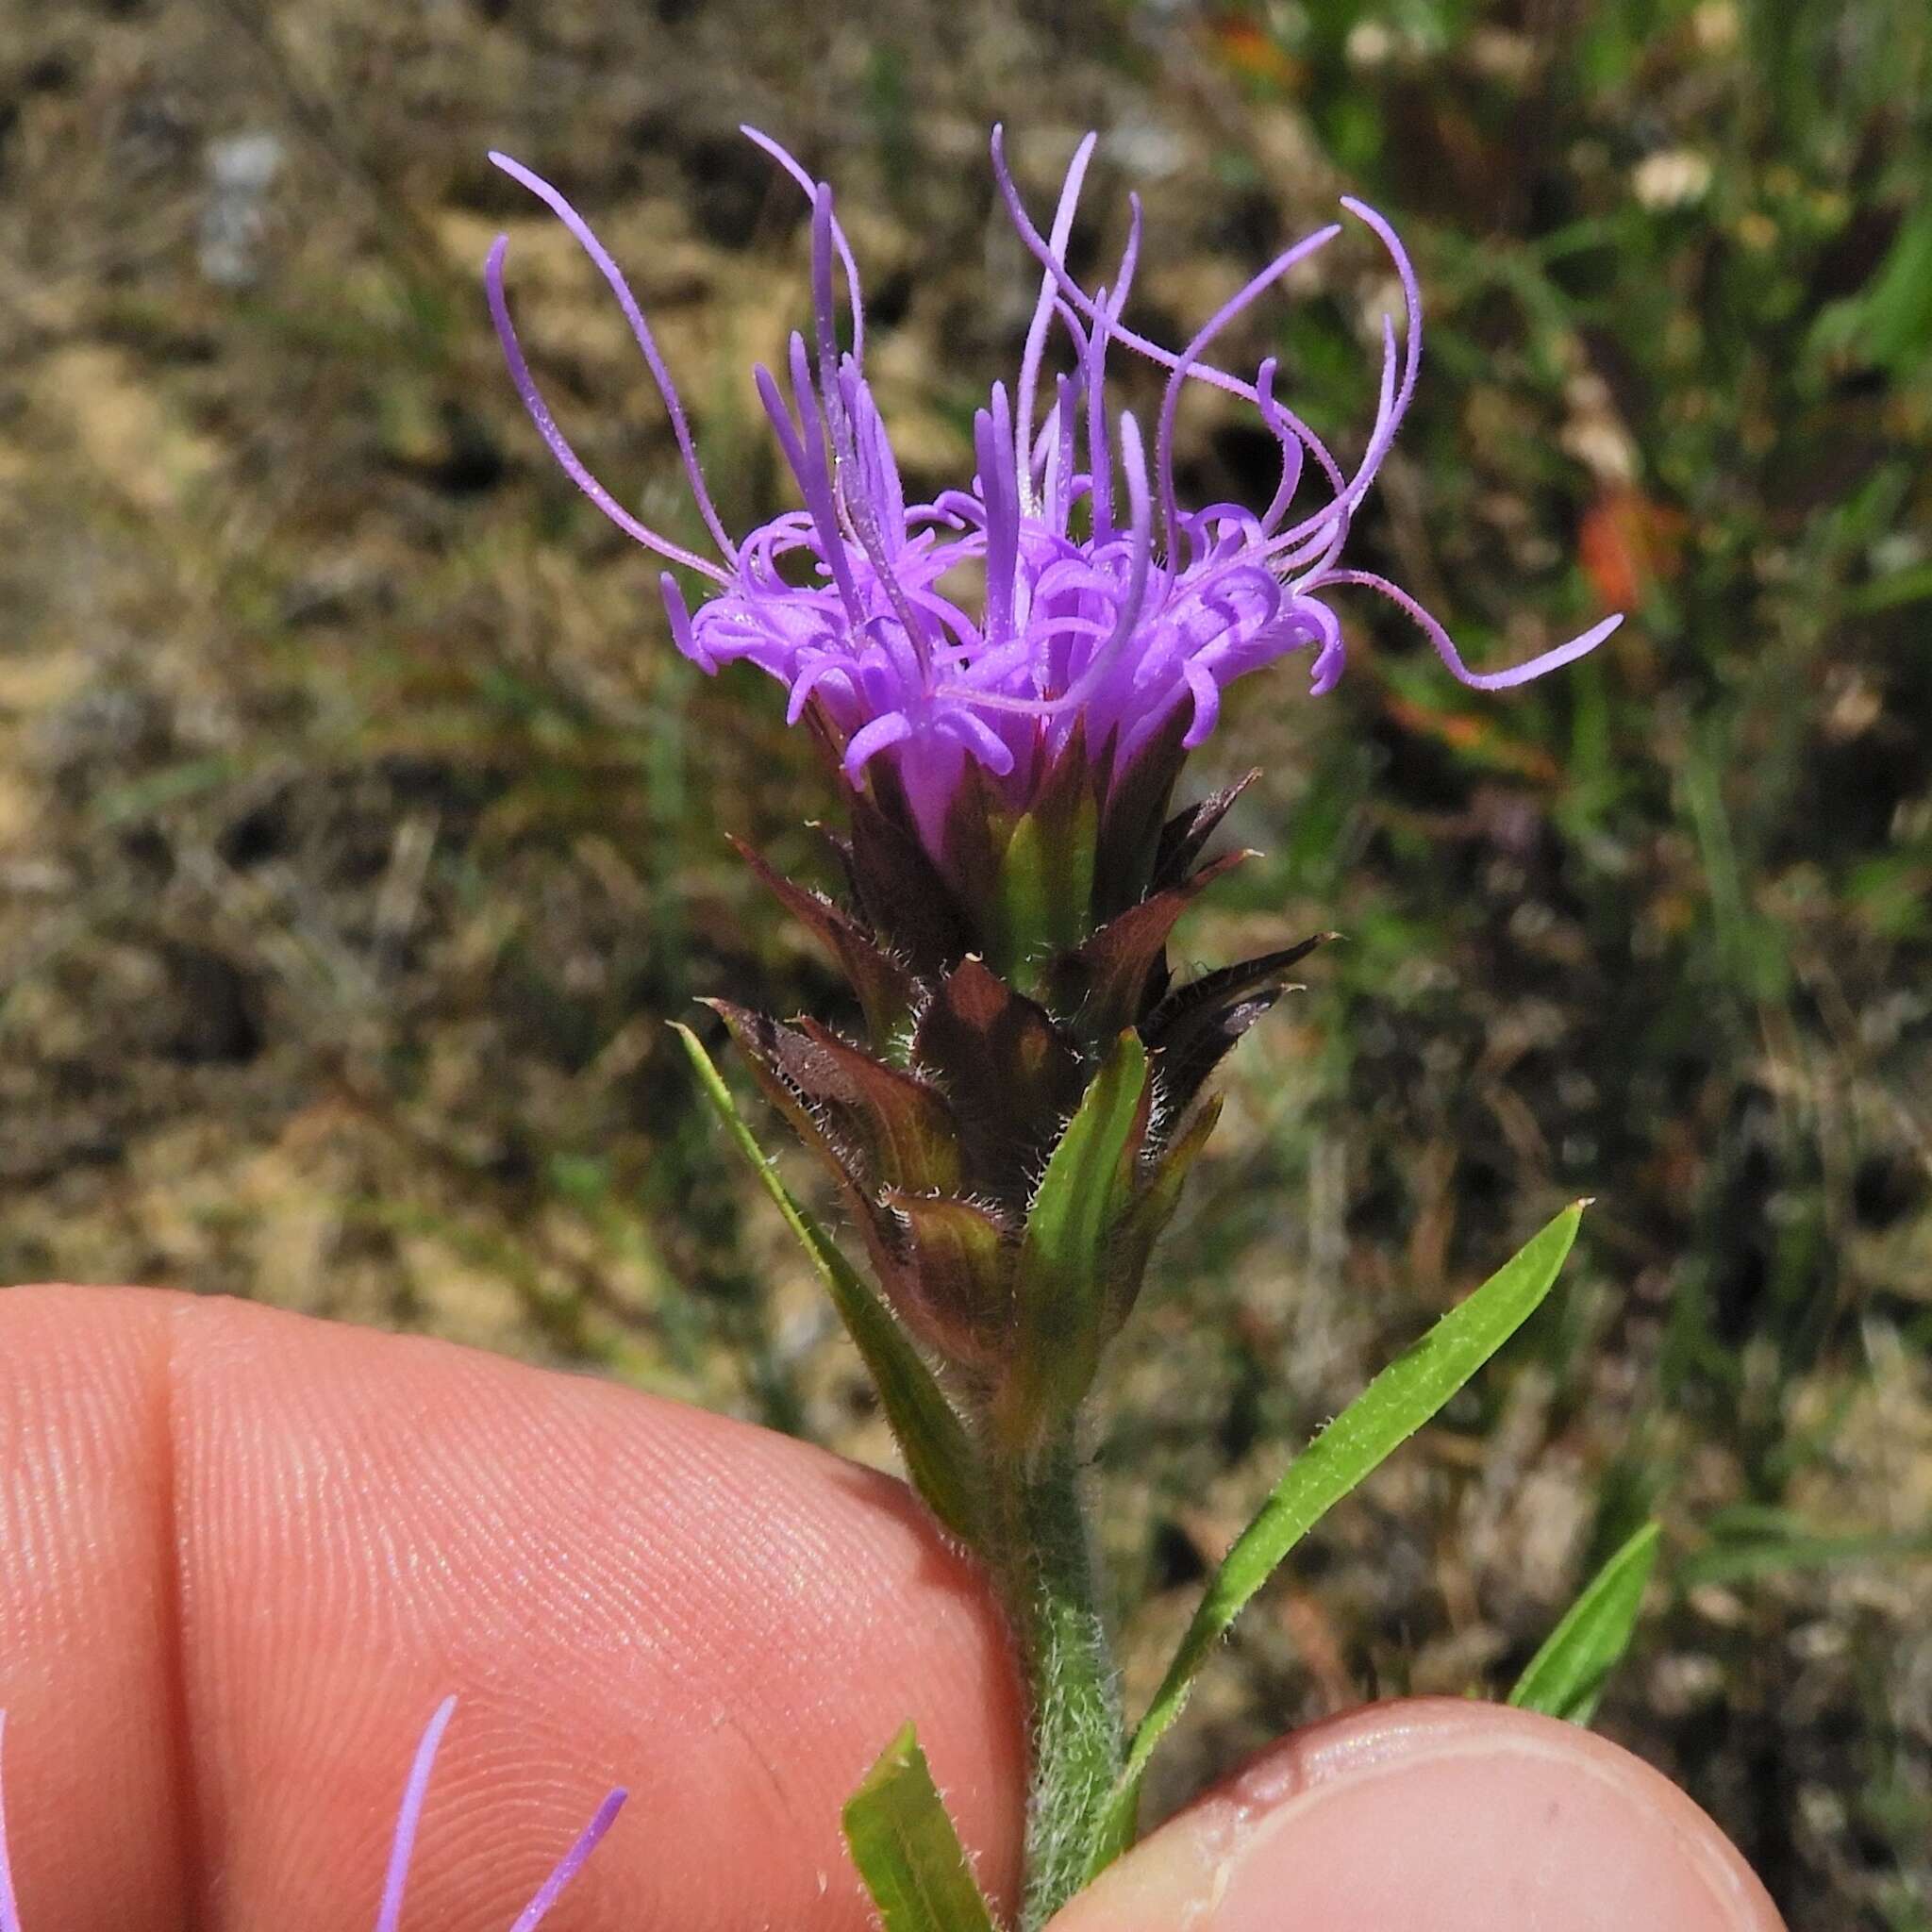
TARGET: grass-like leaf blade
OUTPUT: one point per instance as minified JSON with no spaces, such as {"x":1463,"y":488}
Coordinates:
{"x":906,"y":1849}
{"x":938,"y":1456}
{"x":1567,"y":1676}
{"x":1746,"y":1559}
{"x":1391,"y":1409}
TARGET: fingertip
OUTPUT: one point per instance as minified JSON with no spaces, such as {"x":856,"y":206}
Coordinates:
{"x":622,"y":1590}
{"x":1460,"y":1816}
{"x":243,"y":1555}
{"x":86,"y":1625}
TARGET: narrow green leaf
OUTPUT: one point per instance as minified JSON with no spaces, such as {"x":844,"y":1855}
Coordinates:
{"x":1567,"y":1676}
{"x":938,"y":1456}
{"x":1912,"y":586}
{"x":1153,"y":1208}
{"x":1061,"y":1283}
{"x":1391,"y":1409}
{"x":906,"y":1848}
{"x":1744,"y":1561}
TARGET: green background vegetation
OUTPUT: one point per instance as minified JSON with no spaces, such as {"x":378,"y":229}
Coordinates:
{"x":359,"y":830}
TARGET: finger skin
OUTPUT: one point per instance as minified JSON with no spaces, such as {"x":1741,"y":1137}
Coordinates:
{"x":242,"y":1557}
{"x":1434,"y":1813}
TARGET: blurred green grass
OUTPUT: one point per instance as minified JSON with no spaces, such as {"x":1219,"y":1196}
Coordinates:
{"x":358,"y":828}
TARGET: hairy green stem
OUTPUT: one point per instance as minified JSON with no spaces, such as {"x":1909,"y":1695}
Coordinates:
{"x":1043,"y":1561}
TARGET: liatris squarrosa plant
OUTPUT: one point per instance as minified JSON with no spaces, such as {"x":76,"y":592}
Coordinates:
{"x":1013,"y":1133}
{"x":388,"y":1912}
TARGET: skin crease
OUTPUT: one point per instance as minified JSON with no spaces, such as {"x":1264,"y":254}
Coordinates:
{"x":243,"y":1555}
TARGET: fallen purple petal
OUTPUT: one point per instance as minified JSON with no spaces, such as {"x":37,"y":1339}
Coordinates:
{"x":388,"y":1913}
{"x":571,"y":1863}
{"x":9,"y":1904}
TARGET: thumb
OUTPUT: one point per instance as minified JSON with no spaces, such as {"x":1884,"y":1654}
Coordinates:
{"x":1434,"y":1813}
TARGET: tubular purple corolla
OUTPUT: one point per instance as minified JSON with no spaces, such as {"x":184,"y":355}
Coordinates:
{"x":869,"y":740}
{"x":1141,"y":553}
{"x":1332,"y":659}
{"x":678,"y":614}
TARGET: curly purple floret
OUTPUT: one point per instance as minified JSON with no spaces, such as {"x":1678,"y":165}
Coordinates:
{"x":388,"y":1912}
{"x":1089,"y":619}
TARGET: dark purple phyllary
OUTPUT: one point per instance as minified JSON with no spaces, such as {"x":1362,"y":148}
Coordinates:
{"x":1107,"y":607}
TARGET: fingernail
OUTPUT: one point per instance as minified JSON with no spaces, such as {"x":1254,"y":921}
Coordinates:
{"x":1458,"y":1817}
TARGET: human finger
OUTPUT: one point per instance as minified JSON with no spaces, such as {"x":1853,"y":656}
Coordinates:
{"x":243,"y":1555}
{"x":1437,"y":1813}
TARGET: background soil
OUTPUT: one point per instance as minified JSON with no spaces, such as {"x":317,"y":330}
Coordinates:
{"x":358,"y":828}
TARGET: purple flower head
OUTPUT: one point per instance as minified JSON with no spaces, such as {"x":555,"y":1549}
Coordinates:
{"x":388,"y":1912}
{"x":1106,"y":608}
